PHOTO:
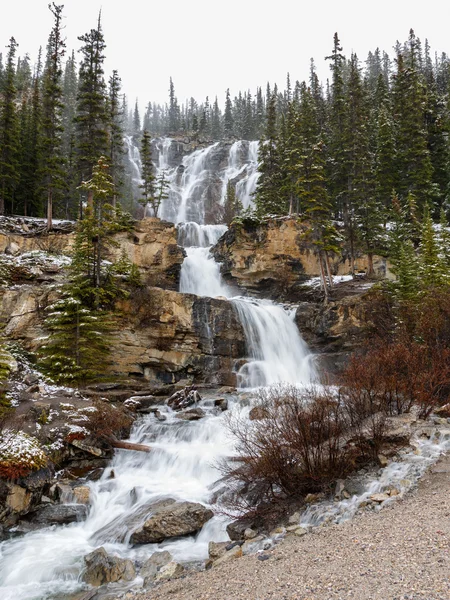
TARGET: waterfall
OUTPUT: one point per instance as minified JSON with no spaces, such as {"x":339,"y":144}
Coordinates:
{"x":183,"y":461}
{"x":276,"y":351}
{"x":200,"y":274}
{"x":181,"y":466}
{"x":135,"y":165}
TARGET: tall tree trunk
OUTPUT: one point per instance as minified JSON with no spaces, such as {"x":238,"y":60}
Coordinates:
{"x":50,"y":209}
{"x":327,"y":263}
{"x":324,"y":280}
{"x":370,"y":269}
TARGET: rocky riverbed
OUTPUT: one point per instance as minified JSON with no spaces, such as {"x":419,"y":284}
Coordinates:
{"x":401,"y":552}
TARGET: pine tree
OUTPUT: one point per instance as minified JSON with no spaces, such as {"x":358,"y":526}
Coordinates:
{"x":77,"y":348}
{"x":268,"y":195}
{"x":433,"y":270}
{"x":70,"y":91}
{"x":147,"y":172}
{"x":52,"y":160}
{"x":8,"y":133}
{"x":116,"y":146}
{"x":92,"y":120}
{"x":228,"y":122}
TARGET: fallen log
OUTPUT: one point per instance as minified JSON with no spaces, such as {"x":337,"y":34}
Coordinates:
{"x":129,"y":446}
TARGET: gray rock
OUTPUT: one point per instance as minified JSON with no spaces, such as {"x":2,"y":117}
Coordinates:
{"x":217,"y":549}
{"x":59,"y":514}
{"x":170,"y":571}
{"x":194,"y":414}
{"x":236,"y":529}
{"x":102,"y":568}
{"x":169,"y":518}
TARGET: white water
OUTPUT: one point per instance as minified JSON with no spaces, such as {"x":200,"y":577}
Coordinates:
{"x":134,"y":161}
{"x":276,"y":351}
{"x":181,"y":466}
{"x":200,"y":177}
{"x":182,"y":463}
{"x":399,"y":475}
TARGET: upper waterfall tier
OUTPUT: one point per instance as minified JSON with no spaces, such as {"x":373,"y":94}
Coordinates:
{"x":198,"y":179}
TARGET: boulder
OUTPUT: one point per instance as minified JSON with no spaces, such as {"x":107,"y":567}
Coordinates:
{"x":443,"y":411}
{"x":151,"y":566}
{"x":217,"y":549}
{"x":170,"y":571}
{"x":82,"y":494}
{"x":236,"y":529}
{"x":168,"y":519}
{"x":59,"y":514}
{"x":19,"y":499}
{"x":102,"y":568}
{"x":193,"y":414}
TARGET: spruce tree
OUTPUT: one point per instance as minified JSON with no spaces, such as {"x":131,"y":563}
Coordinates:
{"x":228,"y":121}
{"x":147,"y":172}
{"x":8,"y":133}
{"x":52,"y":161}
{"x":92,"y":120}
{"x":116,"y":146}
{"x":269,"y":199}
{"x":413,"y":162}
{"x":77,"y":347}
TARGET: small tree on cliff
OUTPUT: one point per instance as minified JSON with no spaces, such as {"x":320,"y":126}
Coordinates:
{"x":77,"y":347}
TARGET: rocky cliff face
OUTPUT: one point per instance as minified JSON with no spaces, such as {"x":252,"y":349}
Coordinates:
{"x":162,"y":335}
{"x":272,"y":260}
{"x":167,"y":336}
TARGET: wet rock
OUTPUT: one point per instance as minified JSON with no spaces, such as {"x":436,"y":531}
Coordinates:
{"x":151,"y":567}
{"x":102,"y":568}
{"x":169,"y":518}
{"x":253,"y":545}
{"x":194,"y":414}
{"x":184,"y":398}
{"x":160,"y":416}
{"x":236,"y":529}
{"x":82,"y":494}
{"x":221,"y":403}
{"x":59,"y":514}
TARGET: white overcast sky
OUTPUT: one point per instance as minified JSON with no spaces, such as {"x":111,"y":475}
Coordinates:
{"x":207,"y":46}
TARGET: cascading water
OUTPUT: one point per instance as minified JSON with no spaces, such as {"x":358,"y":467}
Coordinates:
{"x":180,"y":466}
{"x":134,"y":165}
{"x":276,"y":350}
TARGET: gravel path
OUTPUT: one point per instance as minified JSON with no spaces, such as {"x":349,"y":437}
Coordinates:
{"x":399,"y":553}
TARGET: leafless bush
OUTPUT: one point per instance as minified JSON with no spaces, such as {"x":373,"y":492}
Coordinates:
{"x":299,"y":447}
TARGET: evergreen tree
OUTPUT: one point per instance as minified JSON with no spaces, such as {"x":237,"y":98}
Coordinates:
{"x":116,"y":146}
{"x":70,"y":91}
{"x":52,"y":160}
{"x":174,"y":110}
{"x":8,"y":133}
{"x":433,"y":270}
{"x":232,"y":205}
{"x":268,"y":195}
{"x":216,"y":125}
{"x":413,"y":162}
{"x":228,"y":122}
{"x":92,"y":118}
{"x":161,"y":193}
{"x":147,"y":171}
{"x":77,"y":347}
